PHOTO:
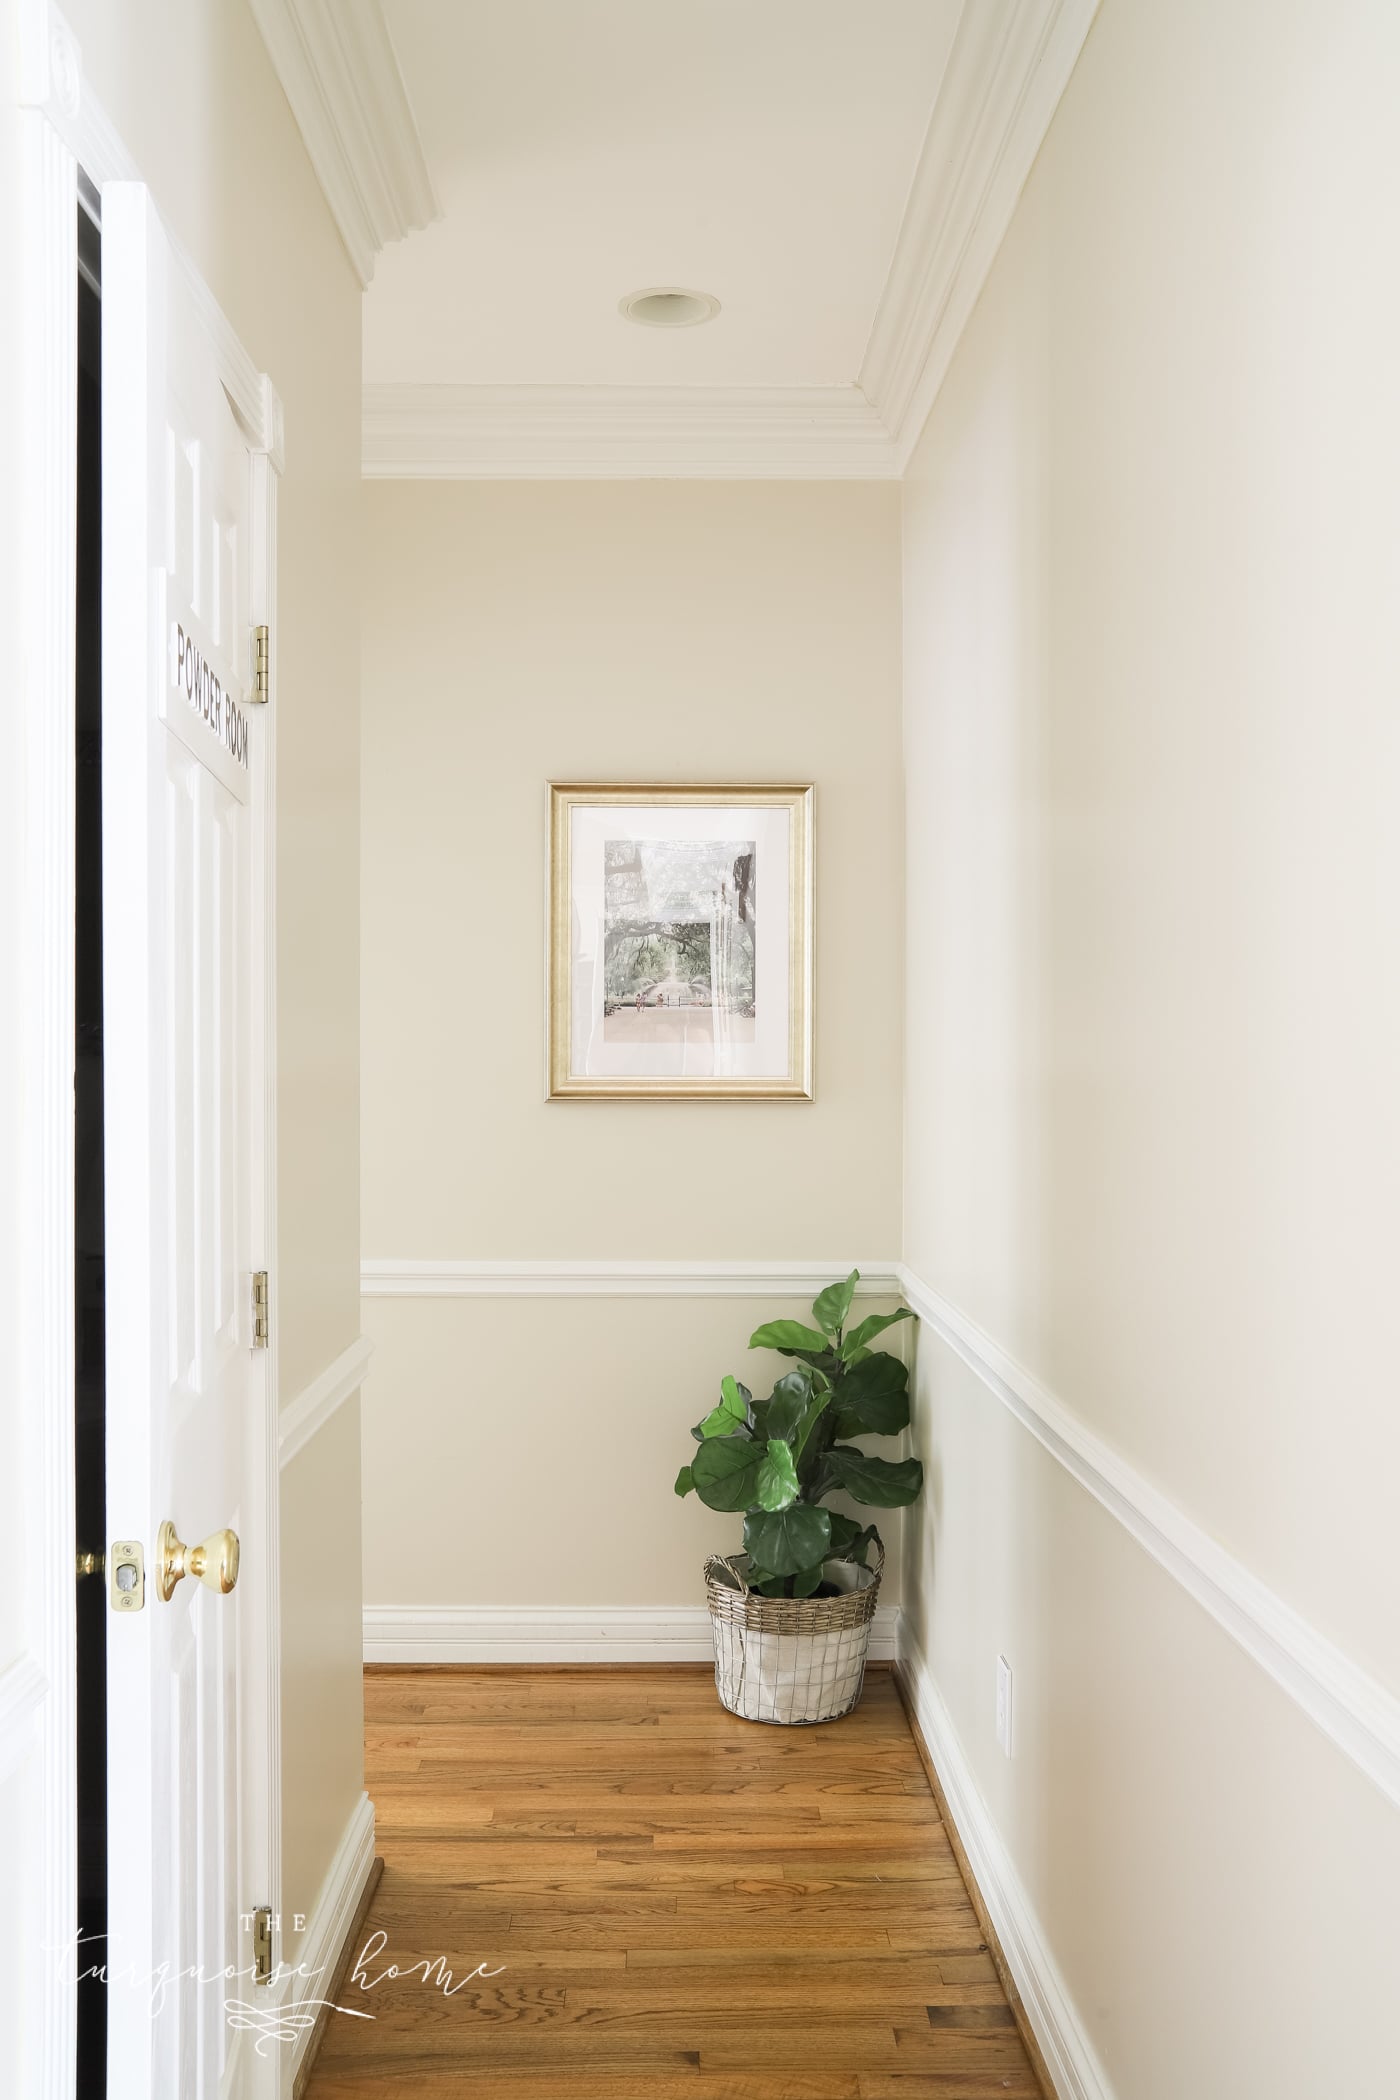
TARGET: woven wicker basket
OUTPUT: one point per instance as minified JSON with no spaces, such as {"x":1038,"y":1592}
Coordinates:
{"x":790,"y":1660}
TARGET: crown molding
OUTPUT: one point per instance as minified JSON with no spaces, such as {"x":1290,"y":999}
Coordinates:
{"x":604,"y":433}
{"x":1010,"y":63}
{"x":338,"y":71}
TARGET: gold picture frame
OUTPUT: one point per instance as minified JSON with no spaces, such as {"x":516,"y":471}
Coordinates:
{"x":736,"y":1003}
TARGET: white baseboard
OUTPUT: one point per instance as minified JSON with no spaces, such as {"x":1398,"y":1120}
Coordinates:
{"x":554,"y":1633}
{"x":319,"y":1948}
{"x":1068,"y":2052}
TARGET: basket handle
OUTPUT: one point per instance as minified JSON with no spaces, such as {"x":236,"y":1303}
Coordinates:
{"x":732,"y":1578}
{"x":729,"y":1575}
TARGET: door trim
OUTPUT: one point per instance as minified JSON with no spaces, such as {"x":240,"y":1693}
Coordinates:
{"x":40,"y":1223}
{"x":62,"y":127}
{"x":52,"y":86}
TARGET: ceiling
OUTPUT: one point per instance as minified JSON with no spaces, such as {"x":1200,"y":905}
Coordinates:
{"x":583,"y":149}
{"x":504,"y":172}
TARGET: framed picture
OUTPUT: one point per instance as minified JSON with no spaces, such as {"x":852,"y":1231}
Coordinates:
{"x":680,"y":943}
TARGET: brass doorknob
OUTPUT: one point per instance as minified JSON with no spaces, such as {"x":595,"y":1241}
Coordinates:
{"x":215,"y":1562}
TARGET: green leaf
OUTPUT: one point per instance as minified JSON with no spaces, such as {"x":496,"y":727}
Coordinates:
{"x":806,"y":1580}
{"x":874,"y":1398}
{"x":789,"y":1338}
{"x":857,"y":1546}
{"x":725,"y":1471}
{"x":776,"y":1484}
{"x":809,"y":1422}
{"x":781,"y":1542}
{"x":850,"y":1540}
{"x":731,"y":1414}
{"x":861,"y":1547}
{"x":875,"y":1480}
{"x":830,"y":1307}
{"x":789,"y":1402}
{"x":684,"y":1481}
{"x":868,"y":1329}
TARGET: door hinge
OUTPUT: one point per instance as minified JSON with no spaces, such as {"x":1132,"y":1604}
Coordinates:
{"x":262,"y":667}
{"x":262,"y":1944}
{"x":261,"y":1324}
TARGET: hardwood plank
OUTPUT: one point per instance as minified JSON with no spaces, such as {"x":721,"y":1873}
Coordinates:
{"x":843,"y":1937}
{"x":620,"y":2084}
{"x":680,"y":1905}
{"x":950,"y":2085}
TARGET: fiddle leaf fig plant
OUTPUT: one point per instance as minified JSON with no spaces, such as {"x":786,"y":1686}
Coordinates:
{"x":778,"y":1459}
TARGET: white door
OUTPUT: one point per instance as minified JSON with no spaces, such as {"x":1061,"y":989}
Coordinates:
{"x":184,"y":1070}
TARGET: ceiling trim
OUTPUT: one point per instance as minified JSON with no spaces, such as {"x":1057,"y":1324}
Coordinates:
{"x":595,"y":433}
{"x":339,"y":72}
{"x":1010,"y":63}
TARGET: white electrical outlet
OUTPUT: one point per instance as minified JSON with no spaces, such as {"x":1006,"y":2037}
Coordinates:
{"x":1004,"y":1704}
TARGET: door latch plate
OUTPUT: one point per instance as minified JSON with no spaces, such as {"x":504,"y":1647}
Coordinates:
{"x":126,"y":1575}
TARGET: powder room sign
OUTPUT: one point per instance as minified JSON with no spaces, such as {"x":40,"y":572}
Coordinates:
{"x":200,"y":702}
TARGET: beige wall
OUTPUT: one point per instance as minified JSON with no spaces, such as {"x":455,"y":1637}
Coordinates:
{"x":192,"y":94}
{"x":524,"y":1452}
{"x":514,"y":634}
{"x":1153,"y":754}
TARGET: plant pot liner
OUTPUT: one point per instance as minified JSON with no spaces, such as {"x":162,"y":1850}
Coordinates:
{"x":790,"y":1660}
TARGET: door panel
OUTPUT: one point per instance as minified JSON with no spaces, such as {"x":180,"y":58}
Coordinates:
{"x":184,"y":1072}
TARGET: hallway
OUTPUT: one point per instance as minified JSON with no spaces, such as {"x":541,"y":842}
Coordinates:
{"x":702,"y":925}
{"x":683,"y":1906}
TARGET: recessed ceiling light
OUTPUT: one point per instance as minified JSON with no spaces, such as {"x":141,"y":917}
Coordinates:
{"x":667,"y":306}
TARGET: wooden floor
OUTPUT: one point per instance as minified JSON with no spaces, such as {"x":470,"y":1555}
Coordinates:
{"x":682,"y":1905}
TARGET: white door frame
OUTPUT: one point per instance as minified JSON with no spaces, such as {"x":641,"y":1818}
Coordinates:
{"x":63,"y":129}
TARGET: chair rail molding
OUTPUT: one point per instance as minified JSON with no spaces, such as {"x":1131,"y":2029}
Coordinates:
{"x":313,"y":1407}
{"x":339,"y":72}
{"x":557,"y":1633}
{"x":1351,"y":1708}
{"x":470,"y":1278}
{"x":1064,"y":2044}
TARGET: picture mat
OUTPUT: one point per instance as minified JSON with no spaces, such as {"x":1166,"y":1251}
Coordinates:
{"x":769,"y":830}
